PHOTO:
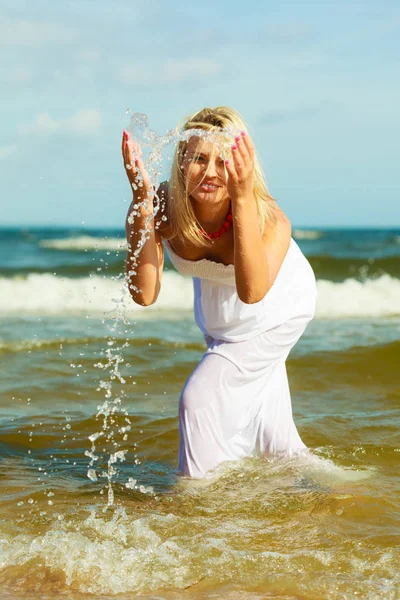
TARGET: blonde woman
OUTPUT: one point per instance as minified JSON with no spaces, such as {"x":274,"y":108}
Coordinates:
{"x":254,"y":291}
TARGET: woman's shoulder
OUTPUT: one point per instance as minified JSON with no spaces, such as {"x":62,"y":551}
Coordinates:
{"x":280,"y":224}
{"x":284,"y":222}
{"x":161,"y":200}
{"x":162,"y":189}
{"x":161,"y":196}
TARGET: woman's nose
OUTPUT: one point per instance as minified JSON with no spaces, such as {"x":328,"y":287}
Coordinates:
{"x":212,"y":169}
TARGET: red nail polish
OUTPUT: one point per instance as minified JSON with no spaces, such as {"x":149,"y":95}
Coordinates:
{"x":234,"y":147}
{"x":243,"y":133}
{"x":227,"y":162}
{"x":237,"y":138}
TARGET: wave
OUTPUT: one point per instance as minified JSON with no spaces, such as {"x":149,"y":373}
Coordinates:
{"x":325,"y":266}
{"x":341,"y":268}
{"x":307,"y":234}
{"x":52,"y":295}
{"x":84,"y":242}
{"x":55,"y":343}
{"x":378,"y":297}
{"x":146,"y":547}
{"x":88,"y":242}
{"x":47,"y":294}
{"x":73,"y":270}
{"x":37,"y":344}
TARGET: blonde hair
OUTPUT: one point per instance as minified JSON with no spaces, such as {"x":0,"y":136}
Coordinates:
{"x":181,"y":216}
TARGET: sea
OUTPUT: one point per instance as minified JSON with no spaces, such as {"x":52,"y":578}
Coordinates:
{"x":91,"y":504}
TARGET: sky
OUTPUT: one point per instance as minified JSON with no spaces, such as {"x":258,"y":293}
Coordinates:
{"x":318,"y":83}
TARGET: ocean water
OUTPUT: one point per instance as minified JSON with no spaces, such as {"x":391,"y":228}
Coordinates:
{"x":91,"y":506}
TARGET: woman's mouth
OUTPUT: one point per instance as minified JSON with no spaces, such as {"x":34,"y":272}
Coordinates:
{"x":208,"y":187}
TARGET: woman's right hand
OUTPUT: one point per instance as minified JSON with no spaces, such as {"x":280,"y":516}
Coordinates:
{"x":135,"y":169}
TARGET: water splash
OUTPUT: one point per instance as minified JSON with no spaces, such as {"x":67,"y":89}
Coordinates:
{"x":114,"y":432}
{"x":115,"y":420}
{"x":151,"y":147}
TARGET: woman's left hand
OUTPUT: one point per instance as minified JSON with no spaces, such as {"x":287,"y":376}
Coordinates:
{"x":241,"y":168}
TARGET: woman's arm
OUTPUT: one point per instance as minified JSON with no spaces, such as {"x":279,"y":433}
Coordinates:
{"x":257,"y":257}
{"x":144,"y":271}
{"x":145,"y":256}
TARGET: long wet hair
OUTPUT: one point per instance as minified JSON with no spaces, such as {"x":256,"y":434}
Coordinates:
{"x":181,"y":217}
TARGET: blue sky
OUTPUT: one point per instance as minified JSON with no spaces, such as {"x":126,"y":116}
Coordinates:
{"x":318,"y":83}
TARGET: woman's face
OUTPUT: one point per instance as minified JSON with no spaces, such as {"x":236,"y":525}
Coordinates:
{"x":204,"y":171}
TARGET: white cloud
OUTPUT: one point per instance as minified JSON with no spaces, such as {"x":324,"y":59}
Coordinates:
{"x":83,"y":123}
{"x":171,"y":71}
{"x":7,"y":151}
{"x":19,"y":32}
{"x":43,"y":124}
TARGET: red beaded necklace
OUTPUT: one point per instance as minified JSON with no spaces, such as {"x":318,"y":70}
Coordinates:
{"x":221,"y":230}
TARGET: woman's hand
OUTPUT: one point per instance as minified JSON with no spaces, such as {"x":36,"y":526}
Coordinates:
{"x":240,"y":169}
{"x":135,"y":169}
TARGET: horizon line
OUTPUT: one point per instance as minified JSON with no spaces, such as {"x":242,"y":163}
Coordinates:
{"x":121,"y":227}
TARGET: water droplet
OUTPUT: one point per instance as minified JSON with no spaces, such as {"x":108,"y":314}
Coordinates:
{"x":92,"y":475}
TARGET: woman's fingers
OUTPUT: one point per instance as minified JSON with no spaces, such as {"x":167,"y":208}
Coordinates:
{"x":248,"y":144}
{"x":240,"y":168}
{"x":129,"y":152}
{"x":144,"y":177}
{"x":134,"y":165}
{"x":126,"y":152}
{"x":230,"y":167}
{"x":127,"y":145}
{"x":123,"y":146}
{"x":237,"y":152}
{"x":245,"y":147}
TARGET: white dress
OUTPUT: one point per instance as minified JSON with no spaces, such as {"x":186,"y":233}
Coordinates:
{"x":236,"y":403}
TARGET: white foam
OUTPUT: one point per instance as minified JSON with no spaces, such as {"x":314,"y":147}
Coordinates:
{"x":84,"y":242}
{"x":97,"y":295}
{"x":307,"y":234}
{"x":351,"y":298}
